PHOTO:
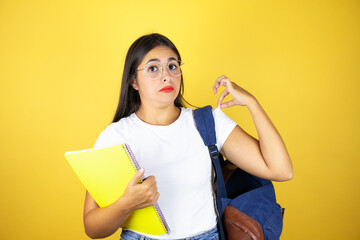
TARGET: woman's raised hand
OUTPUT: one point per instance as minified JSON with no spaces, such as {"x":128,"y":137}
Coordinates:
{"x":141,"y":195}
{"x":240,"y":96}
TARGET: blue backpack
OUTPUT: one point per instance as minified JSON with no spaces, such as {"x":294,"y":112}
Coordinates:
{"x":246,"y":204}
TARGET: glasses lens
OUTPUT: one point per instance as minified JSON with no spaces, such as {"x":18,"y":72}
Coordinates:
{"x":175,"y":68}
{"x":153,"y":70}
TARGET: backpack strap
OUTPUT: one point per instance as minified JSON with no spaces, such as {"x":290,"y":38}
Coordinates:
{"x":205,"y":124}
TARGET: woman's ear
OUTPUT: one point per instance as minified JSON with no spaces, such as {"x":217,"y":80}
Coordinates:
{"x":134,"y":84}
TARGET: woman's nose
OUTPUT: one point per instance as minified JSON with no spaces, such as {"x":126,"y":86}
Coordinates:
{"x":166,"y":74}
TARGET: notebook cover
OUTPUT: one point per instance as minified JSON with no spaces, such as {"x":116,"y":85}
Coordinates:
{"x":105,"y":173}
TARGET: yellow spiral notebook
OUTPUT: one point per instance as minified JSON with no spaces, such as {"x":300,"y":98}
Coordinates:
{"x":105,"y":173}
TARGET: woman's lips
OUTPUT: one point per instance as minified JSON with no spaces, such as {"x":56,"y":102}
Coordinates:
{"x":167,"y":89}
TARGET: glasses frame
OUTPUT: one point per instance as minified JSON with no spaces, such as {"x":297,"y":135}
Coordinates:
{"x":167,"y":66}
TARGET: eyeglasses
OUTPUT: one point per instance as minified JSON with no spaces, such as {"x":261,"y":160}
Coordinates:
{"x":154,"y":70}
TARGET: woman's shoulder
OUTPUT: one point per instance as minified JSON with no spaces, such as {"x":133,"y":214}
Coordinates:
{"x":217,"y":112}
{"x":111,"y":133}
{"x":122,"y":122}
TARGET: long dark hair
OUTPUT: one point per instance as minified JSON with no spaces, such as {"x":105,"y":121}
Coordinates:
{"x":129,"y":101}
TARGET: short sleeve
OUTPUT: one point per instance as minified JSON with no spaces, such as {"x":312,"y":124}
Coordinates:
{"x":106,"y":138}
{"x":223,"y":126}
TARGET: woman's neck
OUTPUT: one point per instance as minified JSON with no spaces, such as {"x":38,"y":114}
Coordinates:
{"x":159,"y":116}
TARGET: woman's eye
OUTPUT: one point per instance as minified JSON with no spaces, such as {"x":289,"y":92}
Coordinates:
{"x":152,"y":68}
{"x":172,"y":66}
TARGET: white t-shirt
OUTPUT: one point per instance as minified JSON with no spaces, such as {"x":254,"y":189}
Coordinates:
{"x":176,"y":155}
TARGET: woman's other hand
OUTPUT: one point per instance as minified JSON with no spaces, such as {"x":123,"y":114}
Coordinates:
{"x":102,"y":222}
{"x":240,"y":95}
{"x":141,"y":195}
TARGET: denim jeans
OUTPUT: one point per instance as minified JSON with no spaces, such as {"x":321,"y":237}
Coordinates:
{"x":210,"y":235}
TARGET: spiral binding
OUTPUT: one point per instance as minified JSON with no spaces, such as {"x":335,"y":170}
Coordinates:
{"x":156,"y":205}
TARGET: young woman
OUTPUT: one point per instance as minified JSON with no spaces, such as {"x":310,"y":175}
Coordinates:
{"x":151,"y":117}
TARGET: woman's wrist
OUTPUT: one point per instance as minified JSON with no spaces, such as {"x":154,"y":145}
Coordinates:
{"x":124,"y":206}
{"x":252,"y":103}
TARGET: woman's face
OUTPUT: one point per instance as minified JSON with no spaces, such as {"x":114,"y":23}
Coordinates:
{"x":160,"y":91}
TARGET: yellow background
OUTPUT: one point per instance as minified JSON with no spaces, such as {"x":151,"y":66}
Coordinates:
{"x":60,"y":69}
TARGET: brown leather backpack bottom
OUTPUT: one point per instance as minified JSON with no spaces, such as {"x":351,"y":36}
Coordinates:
{"x":239,"y":226}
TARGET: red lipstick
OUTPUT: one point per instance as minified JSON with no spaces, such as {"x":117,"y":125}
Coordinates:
{"x":167,"y":89}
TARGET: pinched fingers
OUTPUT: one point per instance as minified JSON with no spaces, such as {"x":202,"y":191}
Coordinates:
{"x":222,"y":96}
{"x":221,"y":81}
{"x":228,"y":104}
{"x":240,"y":95}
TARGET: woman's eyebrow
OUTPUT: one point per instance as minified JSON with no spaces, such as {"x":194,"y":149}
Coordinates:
{"x":157,"y":60}
{"x":172,"y":58}
{"x":153,"y":59}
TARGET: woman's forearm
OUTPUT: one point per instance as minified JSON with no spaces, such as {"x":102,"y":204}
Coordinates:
{"x":103,"y":222}
{"x":271,"y":144}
